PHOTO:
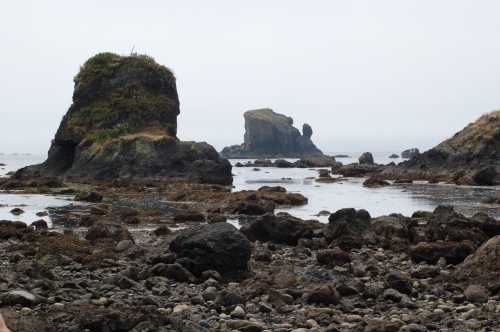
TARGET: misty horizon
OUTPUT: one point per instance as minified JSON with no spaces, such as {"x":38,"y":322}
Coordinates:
{"x":366,"y":76}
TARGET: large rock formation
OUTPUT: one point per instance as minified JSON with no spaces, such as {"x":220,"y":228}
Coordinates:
{"x":472,"y":156}
{"x":269,"y":134}
{"x":123,"y":124}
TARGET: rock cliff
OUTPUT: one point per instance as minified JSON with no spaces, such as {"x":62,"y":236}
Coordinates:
{"x":472,"y":156}
{"x":123,"y":124}
{"x":269,"y":134}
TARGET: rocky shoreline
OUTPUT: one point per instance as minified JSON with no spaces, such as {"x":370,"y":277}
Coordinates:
{"x":149,"y":257}
{"x":156,"y":239}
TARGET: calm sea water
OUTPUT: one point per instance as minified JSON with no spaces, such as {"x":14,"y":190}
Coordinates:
{"x":403,"y":199}
{"x":31,"y":204}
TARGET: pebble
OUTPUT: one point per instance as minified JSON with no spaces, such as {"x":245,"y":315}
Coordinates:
{"x":238,"y":312}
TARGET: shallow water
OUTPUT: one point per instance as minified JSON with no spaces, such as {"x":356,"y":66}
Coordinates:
{"x":404,"y":199}
{"x":31,"y":204}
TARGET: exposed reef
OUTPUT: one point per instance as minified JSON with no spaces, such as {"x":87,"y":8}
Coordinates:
{"x":123,"y":124}
{"x":272,"y":135}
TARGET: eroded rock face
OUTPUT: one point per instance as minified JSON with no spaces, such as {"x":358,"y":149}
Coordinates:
{"x":123,"y":124}
{"x":472,"y":156}
{"x":269,"y":134}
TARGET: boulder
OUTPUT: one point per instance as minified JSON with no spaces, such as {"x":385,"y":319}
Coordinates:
{"x":333,"y":257}
{"x":218,"y":246}
{"x":485,"y":176}
{"x":357,"y":170}
{"x":399,"y":281}
{"x":453,"y":252}
{"x":366,"y":159}
{"x":40,"y":224}
{"x":19,"y":297}
{"x":394,"y":231}
{"x":104,"y":231}
{"x":375,"y":182}
{"x":269,"y":134}
{"x":346,"y":228}
{"x":448,"y":225}
{"x":123,"y":124}
{"x":317,"y":161}
{"x":91,"y":197}
{"x":483,"y":266}
{"x":17,"y":211}
{"x":13,"y":229}
{"x":282,"y":163}
{"x":394,"y":156}
{"x":281,"y":228}
{"x":476,"y":294}
{"x":410,"y":153}
{"x":326,"y":294}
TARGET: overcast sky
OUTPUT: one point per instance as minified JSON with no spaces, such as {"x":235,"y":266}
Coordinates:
{"x":366,"y":75}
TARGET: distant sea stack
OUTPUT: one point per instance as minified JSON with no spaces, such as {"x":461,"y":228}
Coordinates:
{"x":123,"y":124}
{"x":272,"y":135}
{"x":472,"y":156}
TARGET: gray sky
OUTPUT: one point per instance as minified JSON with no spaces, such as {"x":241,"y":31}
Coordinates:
{"x":367,"y":75}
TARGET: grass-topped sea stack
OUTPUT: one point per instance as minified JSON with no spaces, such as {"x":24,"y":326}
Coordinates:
{"x":123,"y":124}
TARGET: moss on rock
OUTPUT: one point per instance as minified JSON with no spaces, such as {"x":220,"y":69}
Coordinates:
{"x":123,"y":123}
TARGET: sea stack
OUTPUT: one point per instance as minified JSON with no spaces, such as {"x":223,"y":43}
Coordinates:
{"x":271,"y":135}
{"x":471,"y":156}
{"x":123,"y":124}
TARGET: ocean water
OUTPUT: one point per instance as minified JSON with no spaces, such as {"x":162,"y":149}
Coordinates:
{"x":404,"y":199}
{"x":350,"y":193}
{"x":30,"y":204}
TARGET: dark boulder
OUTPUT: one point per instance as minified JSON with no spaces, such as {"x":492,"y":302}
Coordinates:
{"x":218,"y":246}
{"x":326,"y":294}
{"x":333,"y":257}
{"x":357,"y":170}
{"x":280,"y":228}
{"x":485,"y":176}
{"x":346,"y":228}
{"x":19,"y":297}
{"x":453,"y":252}
{"x":410,"y":153}
{"x":317,"y":161}
{"x":366,"y":159}
{"x":91,"y":197}
{"x":17,"y":211}
{"x":105,"y":231}
{"x":375,"y":182}
{"x":399,"y":281}
{"x":394,"y":231}
{"x":40,"y":224}
{"x":448,"y":225}
{"x":483,"y":266}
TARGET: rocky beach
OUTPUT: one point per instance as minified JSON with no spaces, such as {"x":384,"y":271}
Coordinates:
{"x":151,"y":233}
